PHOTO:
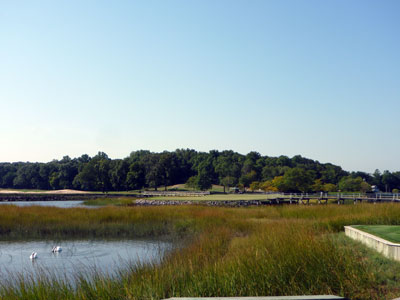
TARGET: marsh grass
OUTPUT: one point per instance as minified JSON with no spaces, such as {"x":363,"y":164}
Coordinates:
{"x":120,"y":201}
{"x":289,"y":250}
{"x":50,"y":222}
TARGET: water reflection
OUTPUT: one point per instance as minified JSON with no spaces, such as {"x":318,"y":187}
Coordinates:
{"x":62,"y":204}
{"x":104,"y":256}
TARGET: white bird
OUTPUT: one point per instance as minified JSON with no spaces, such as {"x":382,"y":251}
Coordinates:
{"x":56,"y":249}
{"x":33,"y":255}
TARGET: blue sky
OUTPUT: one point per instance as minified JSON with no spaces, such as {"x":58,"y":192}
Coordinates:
{"x":315,"y":78}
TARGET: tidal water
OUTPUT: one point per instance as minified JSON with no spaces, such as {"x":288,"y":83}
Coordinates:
{"x":77,"y":257}
{"x":62,"y":204}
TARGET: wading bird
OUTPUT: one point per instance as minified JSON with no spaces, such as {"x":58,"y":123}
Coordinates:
{"x":56,"y":249}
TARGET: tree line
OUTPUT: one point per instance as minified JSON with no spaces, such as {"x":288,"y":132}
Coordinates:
{"x":199,"y":170}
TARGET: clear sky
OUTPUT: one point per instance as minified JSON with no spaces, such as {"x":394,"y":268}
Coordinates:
{"x":315,"y":78}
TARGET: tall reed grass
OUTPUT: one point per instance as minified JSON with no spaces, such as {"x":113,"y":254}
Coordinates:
{"x":228,"y":252}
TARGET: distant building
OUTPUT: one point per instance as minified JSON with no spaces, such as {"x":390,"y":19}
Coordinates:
{"x":374,"y":189}
{"x":234,"y":190}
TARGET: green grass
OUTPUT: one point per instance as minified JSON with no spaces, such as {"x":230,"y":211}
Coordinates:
{"x":217,"y":189}
{"x":182,"y":187}
{"x":257,"y":251}
{"x":385,"y":270}
{"x":389,"y":233}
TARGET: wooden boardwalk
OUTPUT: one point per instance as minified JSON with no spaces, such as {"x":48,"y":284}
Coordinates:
{"x":325,"y":198}
{"x":278,"y":199}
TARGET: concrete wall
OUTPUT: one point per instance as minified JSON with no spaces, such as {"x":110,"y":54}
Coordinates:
{"x":389,"y":249}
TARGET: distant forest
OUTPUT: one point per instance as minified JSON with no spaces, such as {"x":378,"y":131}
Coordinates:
{"x":199,"y":170}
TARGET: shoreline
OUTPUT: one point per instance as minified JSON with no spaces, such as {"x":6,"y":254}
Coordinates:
{"x":12,"y":197}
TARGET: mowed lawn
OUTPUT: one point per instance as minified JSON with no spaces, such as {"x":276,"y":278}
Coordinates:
{"x":387,"y":232}
{"x":219,"y":197}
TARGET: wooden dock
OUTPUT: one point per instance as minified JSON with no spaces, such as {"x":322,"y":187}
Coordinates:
{"x":279,"y":199}
{"x":325,"y":198}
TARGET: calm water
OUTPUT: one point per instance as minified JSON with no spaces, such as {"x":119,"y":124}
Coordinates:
{"x":76,"y":257}
{"x":63,"y":204}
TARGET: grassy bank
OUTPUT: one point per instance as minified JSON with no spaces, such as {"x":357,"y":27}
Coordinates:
{"x":120,"y":201}
{"x":389,"y":233}
{"x":230,"y":252}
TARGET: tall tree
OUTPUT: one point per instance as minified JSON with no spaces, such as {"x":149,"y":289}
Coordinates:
{"x":135,"y":179}
{"x":204,"y":175}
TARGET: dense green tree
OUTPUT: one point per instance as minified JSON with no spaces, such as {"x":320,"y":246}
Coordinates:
{"x":118,"y":174}
{"x":377,"y":179}
{"x":283,"y":161}
{"x":329,"y":187}
{"x":389,"y":181}
{"x":28,"y":177}
{"x":228,"y":182}
{"x":143,"y":169}
{"x":191,"y":182}
{"x":136,"y":178}
{"x":350,"y":184}
{"x":67,"y":172}
{"x":86,"y":179}
{"x":318,"y":185}
{"x":204,"y":175}
{"x":269,"y":173}
{"x":332,"y":174}
{"x":169,"y":168}
{"x":365,"y":187}
{"x":255,"y":185}
{"x":153,"y":170}
{"x":365,"y":176}
{"x":228,"y":168}
{"x":8,"y":172}
{"x":45,"y":171}
{"x":103,"y":177}
{"x":252,"y":163}
{"x":184,"y":160}
{"x":95,"y":174}
{"x":248,"y":178}
{"x":296,"y":180}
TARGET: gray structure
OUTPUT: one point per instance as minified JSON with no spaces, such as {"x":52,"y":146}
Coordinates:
{"x":320,"y":297}
{"x":388,"y":249}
